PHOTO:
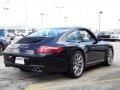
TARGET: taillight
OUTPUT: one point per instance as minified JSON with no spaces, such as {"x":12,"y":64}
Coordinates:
{"x":49,"y":49}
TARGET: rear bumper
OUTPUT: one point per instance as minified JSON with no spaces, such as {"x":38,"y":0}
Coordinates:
{"x":46,"y":64}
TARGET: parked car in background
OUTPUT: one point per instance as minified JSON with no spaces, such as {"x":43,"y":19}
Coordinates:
{"x":116,"y":36}
{"x":104,"y":35}
{"x":66,"y":49}
{"x":4,"y":40}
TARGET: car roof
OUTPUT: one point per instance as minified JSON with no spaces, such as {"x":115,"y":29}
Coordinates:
{"x":70,"y":28}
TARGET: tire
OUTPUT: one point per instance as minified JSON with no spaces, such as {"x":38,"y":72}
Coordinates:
{"x":109,"y":57}
{"x":1,"y":49}
{"x":76,"y":65}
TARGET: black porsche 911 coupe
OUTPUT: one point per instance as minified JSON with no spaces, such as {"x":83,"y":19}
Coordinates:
{"x":67,"y":49}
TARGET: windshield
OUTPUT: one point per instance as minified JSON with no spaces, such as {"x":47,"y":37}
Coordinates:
{"x":2,"y":34}
{"x":52,"y":32}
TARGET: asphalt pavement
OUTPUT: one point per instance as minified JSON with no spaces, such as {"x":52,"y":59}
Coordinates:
{"x":94,"y":78}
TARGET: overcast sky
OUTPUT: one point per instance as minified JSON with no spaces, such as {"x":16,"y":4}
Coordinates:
{"x":79,"y":12}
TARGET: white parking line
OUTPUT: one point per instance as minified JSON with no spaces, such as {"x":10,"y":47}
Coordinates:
{"x":53,"y":87}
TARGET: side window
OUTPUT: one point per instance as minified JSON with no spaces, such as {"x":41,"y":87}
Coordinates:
{"x":74,"y":36}
{"x":86,"y":36}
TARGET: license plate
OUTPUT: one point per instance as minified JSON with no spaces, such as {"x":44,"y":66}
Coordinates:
{"x":19,"y":60}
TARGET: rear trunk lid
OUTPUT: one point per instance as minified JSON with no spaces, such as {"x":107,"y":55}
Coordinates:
{"x":27,"y":45}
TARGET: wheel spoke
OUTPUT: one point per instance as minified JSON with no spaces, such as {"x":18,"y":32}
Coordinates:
{"x":74,"y":67}
{"x":80,"y":61}
{"x":78,"y":70}
{"x":75,"y":71}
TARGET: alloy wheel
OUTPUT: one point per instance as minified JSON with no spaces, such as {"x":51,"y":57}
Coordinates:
{"x":78,"y":64}
{"x":110,"y":56}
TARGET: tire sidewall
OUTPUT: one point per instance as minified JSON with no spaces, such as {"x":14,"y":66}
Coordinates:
{"x":71,"y":65}
{"x":106,"y":57}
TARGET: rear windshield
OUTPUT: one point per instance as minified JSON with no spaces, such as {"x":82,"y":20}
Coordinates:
{"x":52,"y":32}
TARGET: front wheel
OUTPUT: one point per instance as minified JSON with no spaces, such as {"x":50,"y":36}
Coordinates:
{"x":109,"y":57}
{"x":76,"y":65}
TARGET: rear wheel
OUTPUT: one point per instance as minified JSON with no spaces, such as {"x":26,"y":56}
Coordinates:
{"x":109,"y":57}
{"x":77,"y":65}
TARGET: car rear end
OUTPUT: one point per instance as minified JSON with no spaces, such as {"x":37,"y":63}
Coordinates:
{"x":46,"y":58}
{"x":36,"y":54}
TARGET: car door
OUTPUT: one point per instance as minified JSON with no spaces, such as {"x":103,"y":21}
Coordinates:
{"x":94,"y":51}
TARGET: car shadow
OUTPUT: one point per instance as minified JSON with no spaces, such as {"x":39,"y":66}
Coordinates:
{"x":41,"y":77}
{"x":95,"y":67}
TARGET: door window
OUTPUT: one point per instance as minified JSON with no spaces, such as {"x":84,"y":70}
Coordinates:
{"x":74,"y":36}
{"x":86,"y":36}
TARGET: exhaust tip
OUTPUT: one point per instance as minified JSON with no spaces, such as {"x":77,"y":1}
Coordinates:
{"x":36,"y":69}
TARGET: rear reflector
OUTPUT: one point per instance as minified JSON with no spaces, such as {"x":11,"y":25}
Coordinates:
{"x":49,"y":49}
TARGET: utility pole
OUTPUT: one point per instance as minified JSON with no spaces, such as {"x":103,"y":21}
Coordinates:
{"x":59,"y":8}
{"x":100,"y":12}
{"x":65,"y":20}
{"x":42,"y":19}
{"x":26,"y":13}
{"x":6,"y":8}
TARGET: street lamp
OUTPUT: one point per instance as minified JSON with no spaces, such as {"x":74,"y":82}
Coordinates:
{"x":65,"y":20}
{"x":6,"y":20}
{"x":100,"y":20}
{"x":42,"y":19}
{"x":6,"y":9}
{"x":59,"y":11}
{"x":59,"y":7}
{"x":26,"y":13}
